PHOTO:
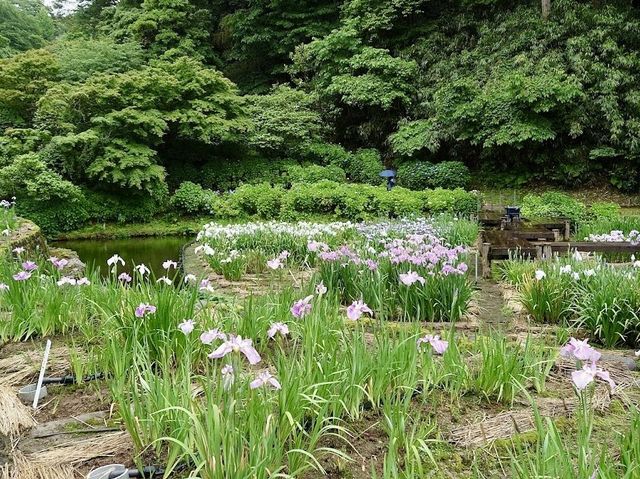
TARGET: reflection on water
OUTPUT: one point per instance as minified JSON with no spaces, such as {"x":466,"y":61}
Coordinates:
{"x":151,"y":251}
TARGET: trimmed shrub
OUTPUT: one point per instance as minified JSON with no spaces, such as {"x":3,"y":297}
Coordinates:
{"x":90,"y":207}
{"x":365,"y":167}
{"x":262,"y":199}
{"x":344,"y":200}
{"x":54,"y":217}
{"x":313,"y":173}
{"x":450,"y":175}
{"x":415,"y":175}
{"x":329,"y":154}
{"x":191,"y":199}
{"x":456,"y":201}
{"x":419,"y":175}
{"x":553,"y":204}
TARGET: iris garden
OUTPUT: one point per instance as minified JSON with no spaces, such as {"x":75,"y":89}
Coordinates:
{"x":372,"y":366}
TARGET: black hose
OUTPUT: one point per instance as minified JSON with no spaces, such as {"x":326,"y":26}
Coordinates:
{"x":70,"y":379}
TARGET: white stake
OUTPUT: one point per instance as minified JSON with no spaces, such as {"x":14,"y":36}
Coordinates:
{"x":42,"y":369}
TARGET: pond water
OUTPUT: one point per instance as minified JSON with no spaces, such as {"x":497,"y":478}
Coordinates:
{"x":151,"y":251}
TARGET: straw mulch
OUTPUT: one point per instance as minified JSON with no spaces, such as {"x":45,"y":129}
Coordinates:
{"x":57,"y":462}
{"x":23,"y":468}
{"x":14,"y":416}
{"x":508,"y":423}
{"x":16,"y":370}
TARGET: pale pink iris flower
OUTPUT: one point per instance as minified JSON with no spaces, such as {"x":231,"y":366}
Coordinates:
{"x":143,"y":309}
{"x":124,"y":277}
{"x":22,"y":276}
{"x":275,"y":263}
{"x":579,"y":350}
{"x":276,"y":328}
{"x":29,"y":266}
{"x":210,"y":336}
{"x":235,"y":344}
{"x":187,"y":326}
{"x":263,"y":379}
{"x":411,"y":277}
{"x":59,"y":264}
{"x":589,"y":372}
{"x":357,"y":309}
{"x":301,"y":307}
{"x":438,"y":345}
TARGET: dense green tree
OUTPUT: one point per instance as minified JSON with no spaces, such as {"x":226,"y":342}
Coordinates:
{"x":259,"y":36}
{"x":363,"y":90}
{"x":111,"y":128}
{"x":24,"y":78}
{"x":24,"y":24}
{"x":163,"y":28}
{"x":285,"y":122}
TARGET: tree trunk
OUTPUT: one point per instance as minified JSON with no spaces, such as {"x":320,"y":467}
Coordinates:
{"x":546,"y":8}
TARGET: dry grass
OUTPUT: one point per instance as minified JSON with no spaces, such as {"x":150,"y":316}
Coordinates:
{"x":58,"y":462}
{"x":16,"y":370}
{"x":78,"y":451}
{"x":23,"y":467}
{"x":14,"y":416}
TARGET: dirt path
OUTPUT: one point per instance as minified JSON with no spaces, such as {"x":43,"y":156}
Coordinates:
{"x":493,"y":313}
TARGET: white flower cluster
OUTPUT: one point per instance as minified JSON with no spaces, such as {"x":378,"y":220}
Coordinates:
{"x":616,"y":236}
{"x":302,"y":229}
{"x":397,"y":228}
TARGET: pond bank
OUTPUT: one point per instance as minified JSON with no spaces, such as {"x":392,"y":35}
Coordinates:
{"x":158,"y":227}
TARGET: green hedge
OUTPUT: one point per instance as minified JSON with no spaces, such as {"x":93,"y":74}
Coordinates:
{"x":310,"y":173}
{"x":349,"y":201}
{"x":418,"y":175}
{"x":190,"y":199}
{"x":553,"y":204}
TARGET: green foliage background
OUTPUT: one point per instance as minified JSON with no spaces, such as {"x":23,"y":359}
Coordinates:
{"x":131,"y":99}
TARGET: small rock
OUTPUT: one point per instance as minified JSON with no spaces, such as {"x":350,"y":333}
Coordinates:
{"x":626,"y":361}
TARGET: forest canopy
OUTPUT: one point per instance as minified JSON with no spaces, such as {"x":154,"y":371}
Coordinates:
{"x":126,"y":100}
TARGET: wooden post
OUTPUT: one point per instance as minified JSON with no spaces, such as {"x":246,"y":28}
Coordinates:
{"x":539,"y":252}
{"x":547,"y":253}
{"x":556,"y":234}
{"x":567,"y":230}
{"x":486,"y":260}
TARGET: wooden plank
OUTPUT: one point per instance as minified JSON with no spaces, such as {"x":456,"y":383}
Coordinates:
{"x":486,"y":260}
